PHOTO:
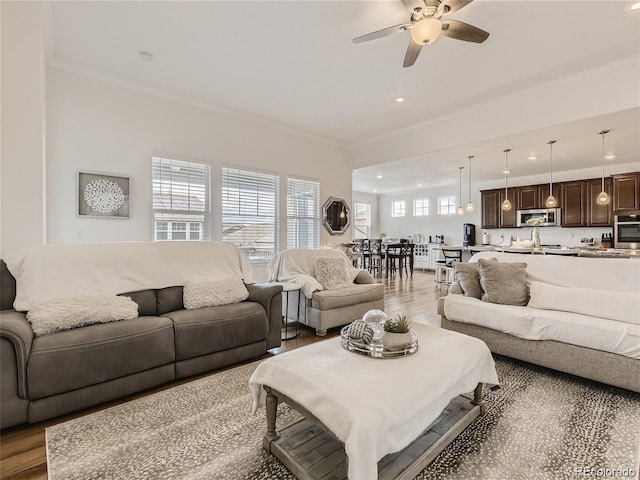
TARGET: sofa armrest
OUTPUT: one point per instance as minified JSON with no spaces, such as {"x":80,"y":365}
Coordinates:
{"x":270,"y":297}
{"x":364,"y":277}
{"x":15,"y":328}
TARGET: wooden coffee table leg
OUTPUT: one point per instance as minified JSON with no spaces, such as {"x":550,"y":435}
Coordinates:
{"x":477,"y":398}
{"x":272,"y":409}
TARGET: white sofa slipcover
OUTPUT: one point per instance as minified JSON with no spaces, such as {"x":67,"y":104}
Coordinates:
{"x":600,"y":349}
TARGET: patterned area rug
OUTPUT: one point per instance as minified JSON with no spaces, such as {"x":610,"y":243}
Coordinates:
{"x":540,"y":424}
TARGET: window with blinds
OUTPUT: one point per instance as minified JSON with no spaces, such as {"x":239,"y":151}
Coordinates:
{"x":250,"y":212}
{"x":362,"y":220}
{"x":181,"y":200}
{"x":303,"y":213}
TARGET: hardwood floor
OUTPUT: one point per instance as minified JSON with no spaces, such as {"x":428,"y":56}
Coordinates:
{"x":22,"y":448}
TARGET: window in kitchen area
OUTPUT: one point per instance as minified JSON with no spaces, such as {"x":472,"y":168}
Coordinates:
{"x":421,"y":207}
{"x":362,"y":220}
{"x":398,"y":208}
{"x":447,"y":205}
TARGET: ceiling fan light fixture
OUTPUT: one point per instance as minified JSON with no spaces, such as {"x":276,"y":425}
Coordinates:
{"x":426,"y":31}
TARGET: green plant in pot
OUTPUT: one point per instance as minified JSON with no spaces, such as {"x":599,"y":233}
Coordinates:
{"x":397,"y":334}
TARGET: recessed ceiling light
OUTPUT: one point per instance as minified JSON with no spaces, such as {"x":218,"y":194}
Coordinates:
{"x":146,"y":56}
{"x":610,"y":156}
{"x":400,"y":99}
{"x":532,"y":156}
{"x":375,"y":191}
{"x":506,"y":172}
{"x":378,"y":177}
{"x":635,"y":6}
{"x":419,"y":184}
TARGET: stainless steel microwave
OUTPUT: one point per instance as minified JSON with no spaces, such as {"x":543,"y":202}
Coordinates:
{"x":550,"y":216}
{"x":626,"y":231}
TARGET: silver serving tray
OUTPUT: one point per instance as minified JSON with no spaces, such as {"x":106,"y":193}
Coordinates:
{"x":376,"y":349}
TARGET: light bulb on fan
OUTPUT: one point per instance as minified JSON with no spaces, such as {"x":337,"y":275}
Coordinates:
{"x":426,"y":31}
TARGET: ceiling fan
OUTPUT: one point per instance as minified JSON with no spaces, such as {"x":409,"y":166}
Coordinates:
{"x":426,"y":25}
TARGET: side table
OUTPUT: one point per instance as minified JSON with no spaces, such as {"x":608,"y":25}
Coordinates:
{"x":288,"y":289}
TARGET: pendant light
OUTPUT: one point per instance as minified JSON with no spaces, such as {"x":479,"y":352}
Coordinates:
{"x":506,"y":205}
{"x":460,"y":211}
{"x":603,"y":198}
{"x":551,"y":201}
{"x":470,"y":203}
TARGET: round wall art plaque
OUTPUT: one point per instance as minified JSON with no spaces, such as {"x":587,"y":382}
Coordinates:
{"x":104,"y":196}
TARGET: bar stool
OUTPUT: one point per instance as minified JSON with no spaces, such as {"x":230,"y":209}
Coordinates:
{"x":446,"y":265}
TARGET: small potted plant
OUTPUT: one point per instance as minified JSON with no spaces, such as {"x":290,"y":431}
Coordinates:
{"x":397,"y":333}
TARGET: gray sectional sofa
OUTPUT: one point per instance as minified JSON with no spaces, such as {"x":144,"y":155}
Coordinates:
{"x":54,"y":374}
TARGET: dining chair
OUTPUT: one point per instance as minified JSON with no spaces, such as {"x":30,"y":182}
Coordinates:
{"x":399,"y":257}
{"x":445,"y":265}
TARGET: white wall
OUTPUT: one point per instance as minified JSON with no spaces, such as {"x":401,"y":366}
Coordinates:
{"x":23,"y":126}
{"x":100,"y":127}
{"x":451,"y":225}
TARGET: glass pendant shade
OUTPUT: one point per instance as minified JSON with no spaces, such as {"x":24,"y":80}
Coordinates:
{"x":460,"y":211}
{"x":426,"y":31}
{"x":603,"y":197}
{"x":506,"y":205}
{"x":469,"y":206}
{"x":551,"y":202}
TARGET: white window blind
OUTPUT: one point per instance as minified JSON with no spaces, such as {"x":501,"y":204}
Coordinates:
{"x":362,"y":220}
{"x":303,"y":213}
{"x":181,"y":199}
{"x":250,"y":212}
{"x":421,"y":207}
{"x":398,"y":208}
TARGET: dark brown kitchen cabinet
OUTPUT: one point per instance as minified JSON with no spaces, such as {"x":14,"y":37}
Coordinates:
{"x":543,"y":193}
{"x":490,"y":206}
{"x":626,"y":192}
{"x":573,"y":204}
{"x":508,"y":217}
{"x":598,"y":215}
{"x":528,"y":197}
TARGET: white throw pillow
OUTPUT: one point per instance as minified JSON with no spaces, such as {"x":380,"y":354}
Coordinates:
{"x":71,"y":312}
{"x":211,"y":293}
{"x":332,"y":272}
{"x":610,"y":304}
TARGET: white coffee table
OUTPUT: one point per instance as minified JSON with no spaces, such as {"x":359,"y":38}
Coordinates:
{"x":369,"y":418}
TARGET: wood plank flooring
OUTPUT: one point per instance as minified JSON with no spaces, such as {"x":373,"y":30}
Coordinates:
{"x":22,"y":448}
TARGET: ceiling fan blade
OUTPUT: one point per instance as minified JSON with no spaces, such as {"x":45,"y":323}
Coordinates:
{"x":385,"y":32}
{"x":450,"y":6}
{"x":411,"y":5}
{"x":412,"y":53}
{"x":463,"y":31}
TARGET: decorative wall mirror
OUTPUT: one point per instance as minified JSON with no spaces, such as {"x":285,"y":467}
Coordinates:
{"x":336,"y":215}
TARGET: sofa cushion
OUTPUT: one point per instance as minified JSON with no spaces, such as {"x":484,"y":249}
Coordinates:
{"x":348,"y":296}
{"x":60,"y":314}
{"x":77,"y":358}
{"x":609,"y":304}
{"x":169,"y":300}
{"x":211,"y":293}
{"x":146,"y":300}
{"x":469,"y":279}
{"x":332,"y":273}
{"x":211,"y":329}
{"x":503,"y":283}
